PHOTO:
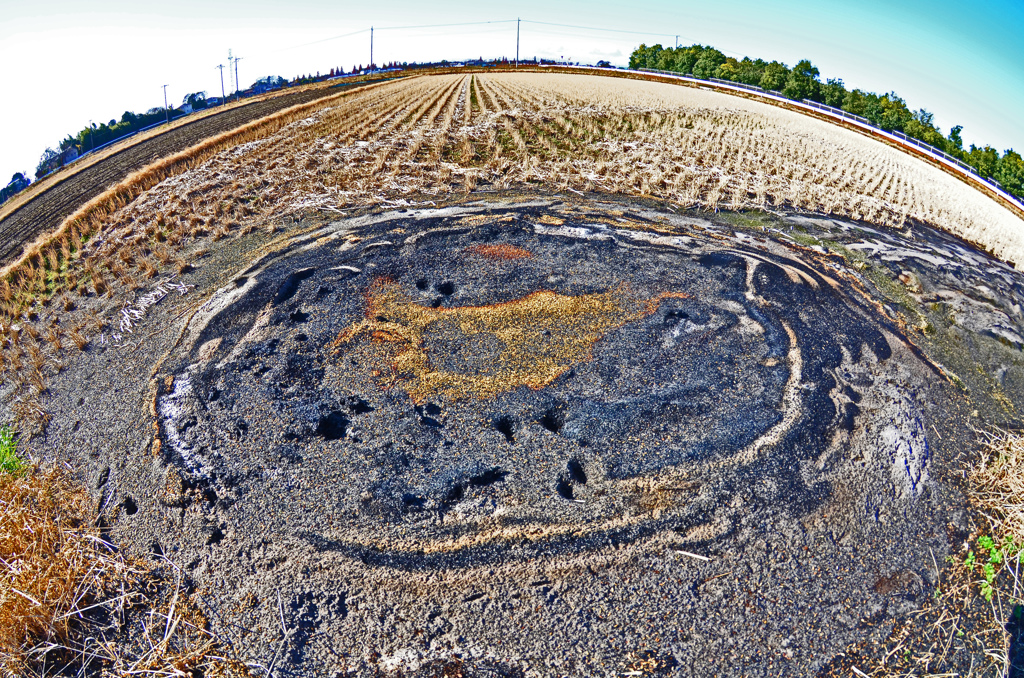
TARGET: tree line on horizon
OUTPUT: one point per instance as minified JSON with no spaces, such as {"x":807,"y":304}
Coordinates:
{"x":887,"y":111}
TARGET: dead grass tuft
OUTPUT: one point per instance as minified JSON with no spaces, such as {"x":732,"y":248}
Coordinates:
{"x":70,"y":602}
{"x":998,"y":482}
{"x":54,"y":565}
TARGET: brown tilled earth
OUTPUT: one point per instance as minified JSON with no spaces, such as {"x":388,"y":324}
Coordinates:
{"x":46,"y":211}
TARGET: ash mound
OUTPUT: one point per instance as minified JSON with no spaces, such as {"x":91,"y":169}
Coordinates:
{"x":431,"y":392}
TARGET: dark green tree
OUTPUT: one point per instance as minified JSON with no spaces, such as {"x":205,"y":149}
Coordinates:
{"x":774,"y":76}
{"x":802,"y":82}
{"x":954,"y":137}
{"x":889,"y":112}
{"x":1010,"y":172}
{"x":856,"y":102}
{"x":708,"y":63}
{"x":984,"y":159}
{"x":642,"y":57}
{"x":832,"y":93}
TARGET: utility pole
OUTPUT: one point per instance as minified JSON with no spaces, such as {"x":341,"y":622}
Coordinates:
{"x":167,"y":111}
{"x":677,"y":42}
{"x":371,"y":48}
{"x":517,"y":42}
{"x":90,"y":135}
{"x":231,"y":69}
{"x":223,"y":96}
{"x":238,"y":86}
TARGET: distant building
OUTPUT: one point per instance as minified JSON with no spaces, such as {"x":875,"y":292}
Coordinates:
{"x":19,"y":182}
{"x":271,"y":82}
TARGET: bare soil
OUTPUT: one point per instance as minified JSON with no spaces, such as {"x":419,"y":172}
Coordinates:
{"x":525,"y":433}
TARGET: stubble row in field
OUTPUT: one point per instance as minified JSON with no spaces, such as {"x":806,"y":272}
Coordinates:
{"x":438,"y":135}
{"x":696,"y":148}
{"x":46,"y":211}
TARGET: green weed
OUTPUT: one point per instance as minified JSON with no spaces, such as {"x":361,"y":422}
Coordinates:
{"x":993,"y":554}
{"x":10,"y":462}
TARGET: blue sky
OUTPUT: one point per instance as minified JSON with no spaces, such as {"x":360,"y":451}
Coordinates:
{"x":68,"y":62}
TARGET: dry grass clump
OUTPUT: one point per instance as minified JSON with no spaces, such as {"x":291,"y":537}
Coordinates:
{"x":54,"y":567}
{"x":997,"y":482}
{"x":70,"y":602}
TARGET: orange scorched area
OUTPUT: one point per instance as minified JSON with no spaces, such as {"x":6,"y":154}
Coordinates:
{"x":501,"y":252}
{"x":525,"y":342}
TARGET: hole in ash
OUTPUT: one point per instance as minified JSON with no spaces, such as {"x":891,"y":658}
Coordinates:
{"x":576,"y":472}
{"x":333,"y":426}
{"x":291,"y":285}
{"x":494,"y":475}
{"x":215,"y":537}
{"x":359,"y":406}
{"x":507,"y":427}
{"x":553,"y":420}
{"x":413,"y":502}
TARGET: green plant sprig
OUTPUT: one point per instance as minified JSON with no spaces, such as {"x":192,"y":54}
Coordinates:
{"x":997,"y":552}
{"x":10,"y":462}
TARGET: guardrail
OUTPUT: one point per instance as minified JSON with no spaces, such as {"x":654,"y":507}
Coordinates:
{"x":937,"y":154}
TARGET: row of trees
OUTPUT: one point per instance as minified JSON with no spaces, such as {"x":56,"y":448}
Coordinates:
{"x":888,"y":111}
{"x":93,"y":136}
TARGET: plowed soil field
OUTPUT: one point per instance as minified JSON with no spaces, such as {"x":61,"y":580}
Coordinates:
{"x":49,"y":209}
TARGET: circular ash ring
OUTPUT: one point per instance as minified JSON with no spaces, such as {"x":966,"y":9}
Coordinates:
{"x":428,"y":387}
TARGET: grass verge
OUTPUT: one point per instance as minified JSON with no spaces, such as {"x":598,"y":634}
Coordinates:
{"x":10,"y":462}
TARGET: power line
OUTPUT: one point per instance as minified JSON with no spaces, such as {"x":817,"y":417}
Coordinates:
{"x":619,"y":30}
{"x":595,"y":28}
{"x":396,"y":28}
{"x":317,"y":42}
{"x":465,"y":23}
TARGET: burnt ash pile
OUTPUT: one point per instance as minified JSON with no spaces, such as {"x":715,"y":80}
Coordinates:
{"x":447,"y":390}
{"x":562,"y":437}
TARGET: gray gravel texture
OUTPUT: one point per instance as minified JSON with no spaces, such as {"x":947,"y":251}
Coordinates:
{"x":728,"y":449}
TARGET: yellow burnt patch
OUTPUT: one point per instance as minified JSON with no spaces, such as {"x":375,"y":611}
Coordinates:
{"x":481,"y":351}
